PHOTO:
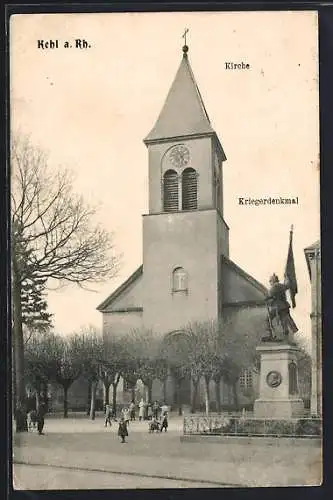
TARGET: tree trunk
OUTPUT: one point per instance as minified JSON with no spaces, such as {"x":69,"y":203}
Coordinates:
{"x":93,"y":401}
{"x":46,"y":397}
{"x":150,"y":391}
{"x":175,"y":392}
{"x":207,"y":395}
{"x":114,"y":396}
{"x":65,"y":401}
{"x":88,"y":397}
{"x":164,"y":390}
{"x":37,"y":400}
{"x":179,"y":397}
{"x":21,"y":415}
{"x":133,"y":393}
{"x":235,"y":395}
{"x":114,"y":399}
{"x":218,"y":395}
{"x":106,"y":393}
{"x":194,"y":395}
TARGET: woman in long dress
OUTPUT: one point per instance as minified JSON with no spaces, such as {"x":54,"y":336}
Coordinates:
{"x":141,"y":409}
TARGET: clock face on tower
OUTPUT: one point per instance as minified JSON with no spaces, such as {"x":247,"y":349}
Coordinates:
{"x":179,"y":156}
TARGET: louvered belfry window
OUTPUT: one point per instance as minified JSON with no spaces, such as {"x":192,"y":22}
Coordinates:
{"x":189,"y":189}
{"x":170,"y":191}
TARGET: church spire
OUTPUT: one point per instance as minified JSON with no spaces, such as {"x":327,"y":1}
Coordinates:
{"x":183,"y":113}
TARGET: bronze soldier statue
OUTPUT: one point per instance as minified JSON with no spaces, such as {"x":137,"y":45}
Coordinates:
{"x":278,"y":316}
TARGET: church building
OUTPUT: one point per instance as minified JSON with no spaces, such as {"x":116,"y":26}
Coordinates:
{"x":187,"y":274}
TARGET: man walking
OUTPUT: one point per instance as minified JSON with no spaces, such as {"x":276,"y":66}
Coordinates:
{"x":41,"y":411}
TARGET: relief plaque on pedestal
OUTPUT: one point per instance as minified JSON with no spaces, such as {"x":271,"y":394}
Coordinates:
{"x":279,"y":394}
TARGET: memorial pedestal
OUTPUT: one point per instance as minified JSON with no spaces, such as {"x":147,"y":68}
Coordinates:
{"x":279,"y":394}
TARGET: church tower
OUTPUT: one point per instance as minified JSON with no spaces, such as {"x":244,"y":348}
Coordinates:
{"x":184,"y":233}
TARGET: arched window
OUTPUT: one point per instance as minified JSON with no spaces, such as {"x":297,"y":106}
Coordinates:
{"x":170,"y":191}
{"x":179,"y":280}
{"x":189,"y":189}
{"x":292,"y":378}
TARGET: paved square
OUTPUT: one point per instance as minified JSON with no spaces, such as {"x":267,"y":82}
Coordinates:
{"x":80,"y":454}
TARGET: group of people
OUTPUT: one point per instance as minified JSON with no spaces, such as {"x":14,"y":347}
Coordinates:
{"x":150,"y":411}
{"x":156,"y":414}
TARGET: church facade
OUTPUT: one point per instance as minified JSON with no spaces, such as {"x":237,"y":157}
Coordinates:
{"x":187,"y":274}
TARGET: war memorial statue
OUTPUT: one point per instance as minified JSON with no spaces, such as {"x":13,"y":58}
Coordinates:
{"x":279,"y":323}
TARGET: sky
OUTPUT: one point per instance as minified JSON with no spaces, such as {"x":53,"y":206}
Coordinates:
{"x":90,"y":109}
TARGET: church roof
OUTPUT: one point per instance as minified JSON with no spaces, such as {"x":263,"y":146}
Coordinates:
{"x":308,"y":251}
{"x":124,"y":286}
{"x":314,"y":246}
{"x":183,"y":113}
{"x":238,"y":287}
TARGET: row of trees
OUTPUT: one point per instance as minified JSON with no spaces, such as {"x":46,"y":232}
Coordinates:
{"x":200,"y":351}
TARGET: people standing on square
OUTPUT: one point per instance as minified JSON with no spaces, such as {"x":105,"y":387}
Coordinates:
{"x":41,"y":411}
{"x":164,"y":409}
{"x":132,"y":410}
{"x":141,"y":409}
{"x":165,"y":423}
{"x":145,"y":412}
{"x":122,"y":430}
{"x":149,"y":411}
{"x":156,"y":408}
{"x":127,"y":416}
{"x":108,"y":415}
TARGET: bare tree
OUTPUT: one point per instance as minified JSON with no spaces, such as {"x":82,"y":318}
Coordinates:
{"x":175,"y":349}
{"x":115,"y":363}
{"x":240,"y":334}
{"x":304,"y":369}
{"x":106,"y":373}
{"x":204,"y":356}
{"x":92,"y":360}
{"x":39,"y":359}
{"x":221,"y":349}
{"x":67,"y":365}
{"x":162,"y":371}
{"x":142,"y":354}
{"x":53,"y":236}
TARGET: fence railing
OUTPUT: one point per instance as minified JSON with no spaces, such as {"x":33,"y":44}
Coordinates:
{"x":226,"y":425}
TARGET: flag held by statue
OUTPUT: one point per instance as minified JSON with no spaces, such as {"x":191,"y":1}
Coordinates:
{"x":290,"y":273}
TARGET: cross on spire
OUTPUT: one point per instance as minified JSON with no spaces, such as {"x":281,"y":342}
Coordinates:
{"x":185,"y":47}
{"x":184,"y":35}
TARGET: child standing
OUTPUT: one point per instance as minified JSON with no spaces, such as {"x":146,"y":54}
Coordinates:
{"x":122,"y":430}
{"x":165,"y":423}
{"x":132,"y":410}
{"x":108,"y":415}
